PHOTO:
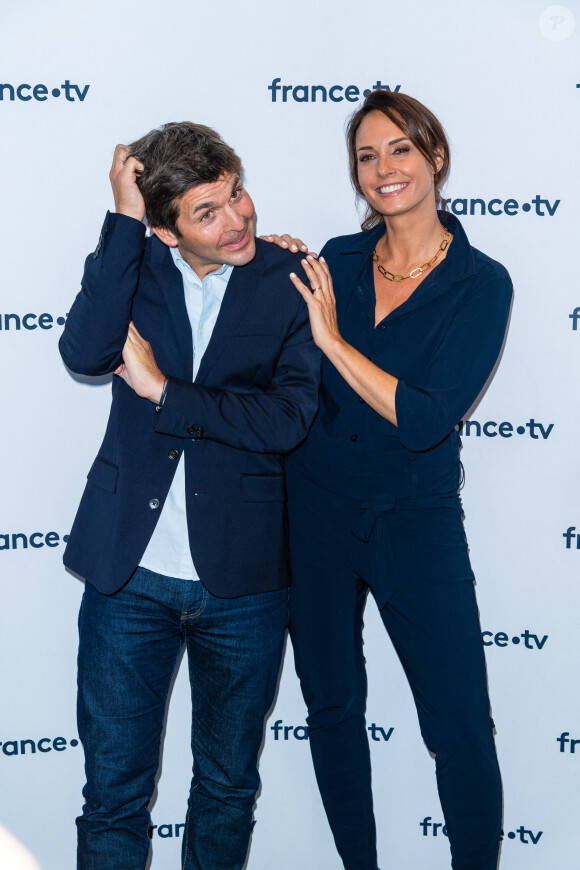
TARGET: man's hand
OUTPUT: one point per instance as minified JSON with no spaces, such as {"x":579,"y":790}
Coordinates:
{"x":139,"y":369}
{"x":123,"y":176}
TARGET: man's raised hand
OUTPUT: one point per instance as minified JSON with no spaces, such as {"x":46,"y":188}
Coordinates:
{"x":123,"y":176}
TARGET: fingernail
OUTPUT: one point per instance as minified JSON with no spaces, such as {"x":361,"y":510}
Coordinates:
{"x":285,"y":244}
{"x":294,"y":247}
{"x":292,"y":274}
{"x":304,"y":248}
{"x":322,"y":260}
{"x":268,"y":237}
{"x":310,"y":257}
{"x":304,"y":262}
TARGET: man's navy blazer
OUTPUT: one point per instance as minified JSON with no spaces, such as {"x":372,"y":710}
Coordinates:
{"x":253,"y":400}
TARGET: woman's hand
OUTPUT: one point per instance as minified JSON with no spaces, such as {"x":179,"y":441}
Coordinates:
{"x":286,"y":241}
{"x":139,"y":369}
{"x":374,"y":386}
{"x":320,"y":301}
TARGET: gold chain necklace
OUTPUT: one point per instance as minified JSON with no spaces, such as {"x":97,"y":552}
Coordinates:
{"x":414,"y":273}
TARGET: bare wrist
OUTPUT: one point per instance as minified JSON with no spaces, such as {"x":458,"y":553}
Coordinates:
{"x":333,"y":346}
{"x":129,"y":210}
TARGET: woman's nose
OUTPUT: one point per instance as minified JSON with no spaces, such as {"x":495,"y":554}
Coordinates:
{"x":384,"y":166}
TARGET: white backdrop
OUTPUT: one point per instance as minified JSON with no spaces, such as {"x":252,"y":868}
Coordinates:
{"x":503,"y":76}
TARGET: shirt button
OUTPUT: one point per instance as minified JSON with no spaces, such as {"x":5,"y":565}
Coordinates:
{"x":154,"y":504}
{"x":383,"y":326}
{"x":354,"y":437}
{"x":173,"y":454}
{"x":361,"y":400}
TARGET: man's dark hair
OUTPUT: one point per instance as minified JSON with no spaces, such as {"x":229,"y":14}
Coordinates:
{"x":176,"y":157}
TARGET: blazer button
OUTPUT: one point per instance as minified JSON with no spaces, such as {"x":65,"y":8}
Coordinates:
{"x":173,"y":454}
{"x":354,"y":437}
{"x":196,"y":431}
{"x":154,"y":504}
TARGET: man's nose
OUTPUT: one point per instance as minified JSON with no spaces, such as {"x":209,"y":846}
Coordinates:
{"x":235,"y":221}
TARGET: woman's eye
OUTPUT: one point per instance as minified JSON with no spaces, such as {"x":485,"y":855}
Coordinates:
{"x":365,"y":157}
{"x":404,"y":149}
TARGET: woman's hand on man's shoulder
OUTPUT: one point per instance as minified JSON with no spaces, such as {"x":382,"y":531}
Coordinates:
{"x":289,"y":242}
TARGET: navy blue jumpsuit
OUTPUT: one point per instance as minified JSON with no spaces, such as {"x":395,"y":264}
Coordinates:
{"x":376,"y":506}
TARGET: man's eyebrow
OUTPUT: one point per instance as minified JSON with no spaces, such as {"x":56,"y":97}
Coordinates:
{"x":204,"y":206}
{"x":391,"y":142}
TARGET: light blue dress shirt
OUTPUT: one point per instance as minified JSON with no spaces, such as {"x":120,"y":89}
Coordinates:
{"x":168,"y":550}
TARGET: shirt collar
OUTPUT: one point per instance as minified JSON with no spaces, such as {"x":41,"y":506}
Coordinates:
{"x":460,"y":261}
{"x":218,"y":279}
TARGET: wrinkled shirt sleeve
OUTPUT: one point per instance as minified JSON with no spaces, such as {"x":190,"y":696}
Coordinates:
{"x":427,"y":411}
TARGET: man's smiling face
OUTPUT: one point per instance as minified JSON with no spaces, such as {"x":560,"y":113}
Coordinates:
{"x":216,"y":225}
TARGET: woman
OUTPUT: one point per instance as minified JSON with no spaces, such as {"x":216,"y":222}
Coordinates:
{"x":410,"y":334}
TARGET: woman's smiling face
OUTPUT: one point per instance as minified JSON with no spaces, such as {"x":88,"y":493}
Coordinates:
{"x":394,"y":175}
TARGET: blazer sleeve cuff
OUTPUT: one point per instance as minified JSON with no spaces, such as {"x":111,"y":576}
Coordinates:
{"x":120,"y":229}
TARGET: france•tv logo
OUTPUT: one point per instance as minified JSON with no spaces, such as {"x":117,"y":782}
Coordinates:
{"x":567,"y":744}
{"x":44,"y":745}
{"x":300,"y":732}
{"x":525,"y":835}
{"x":166,"y":831}
{"x":502,"y":639}
{"x":323,"y":93}
{"x":463,"y":206}
{"x":570,"y":534}
{"x":40,"y":93}
{"x":505,"y":429}
{"x":29,"y":322}
{"x":36,"y":540}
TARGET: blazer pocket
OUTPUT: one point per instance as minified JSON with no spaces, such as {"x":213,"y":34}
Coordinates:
{"x":263,"y":487}
{"x":103,"y":474}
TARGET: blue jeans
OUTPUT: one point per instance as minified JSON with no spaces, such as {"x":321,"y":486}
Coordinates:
{"x":128,"y":649}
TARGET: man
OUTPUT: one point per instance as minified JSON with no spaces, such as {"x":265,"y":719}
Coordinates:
{"x":181,"y":531}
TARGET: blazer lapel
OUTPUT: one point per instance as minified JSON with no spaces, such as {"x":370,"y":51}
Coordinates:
{"x":238,"y":295}
{"x":170,"y":281}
